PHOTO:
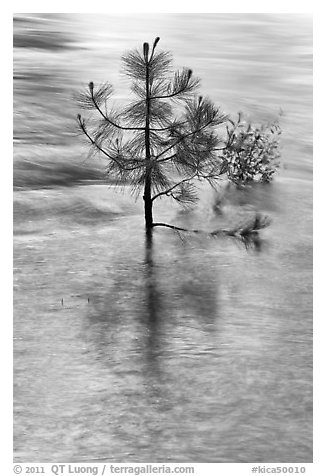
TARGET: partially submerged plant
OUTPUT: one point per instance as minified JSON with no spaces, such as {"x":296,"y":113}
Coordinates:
{"x":251,"y":153}
{"x":167,"y":139}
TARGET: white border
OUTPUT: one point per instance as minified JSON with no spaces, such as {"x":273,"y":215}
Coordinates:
{"x":319,"y":179}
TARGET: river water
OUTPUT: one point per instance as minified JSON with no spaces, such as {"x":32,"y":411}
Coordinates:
{"x":197,"y":350}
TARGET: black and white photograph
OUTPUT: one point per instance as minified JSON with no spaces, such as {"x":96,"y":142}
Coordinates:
{"x":163,"y":239}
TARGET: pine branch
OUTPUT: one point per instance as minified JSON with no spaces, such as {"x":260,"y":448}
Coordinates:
{"x":169,"y":190}
{"x":200,"y":114}
{"x":134,"y":65}
{"x":100,"y":93}
{"x":82,"y":126}
{"x":170,"y":127}
{"x":97,"y":107}
{"x":157,"y":39}
{"x":181,"y":139}
{"x":182,"y":84}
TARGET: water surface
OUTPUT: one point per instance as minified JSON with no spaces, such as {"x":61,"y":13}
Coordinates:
{"x":197,"y":350}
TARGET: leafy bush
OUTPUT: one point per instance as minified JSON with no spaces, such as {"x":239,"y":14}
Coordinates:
{"x":251,"y":153}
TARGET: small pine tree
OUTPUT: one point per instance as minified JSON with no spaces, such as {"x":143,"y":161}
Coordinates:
{"x":166,"y":139}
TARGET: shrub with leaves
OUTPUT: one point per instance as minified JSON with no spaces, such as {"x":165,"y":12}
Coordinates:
{"x":251,"y":153}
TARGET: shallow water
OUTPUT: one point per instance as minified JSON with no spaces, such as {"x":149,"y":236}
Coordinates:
{"x":198,"y":350}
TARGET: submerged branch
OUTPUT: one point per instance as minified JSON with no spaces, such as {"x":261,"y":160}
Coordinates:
{"x":177,"y":228}
{"x":244,"y":232}
{"x":187,"y":230}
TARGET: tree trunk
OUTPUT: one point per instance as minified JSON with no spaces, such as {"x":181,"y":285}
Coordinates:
{"x":148,"y":203}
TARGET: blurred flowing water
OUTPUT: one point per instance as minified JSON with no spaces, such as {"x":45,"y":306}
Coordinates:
{"x":199,"y":350}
